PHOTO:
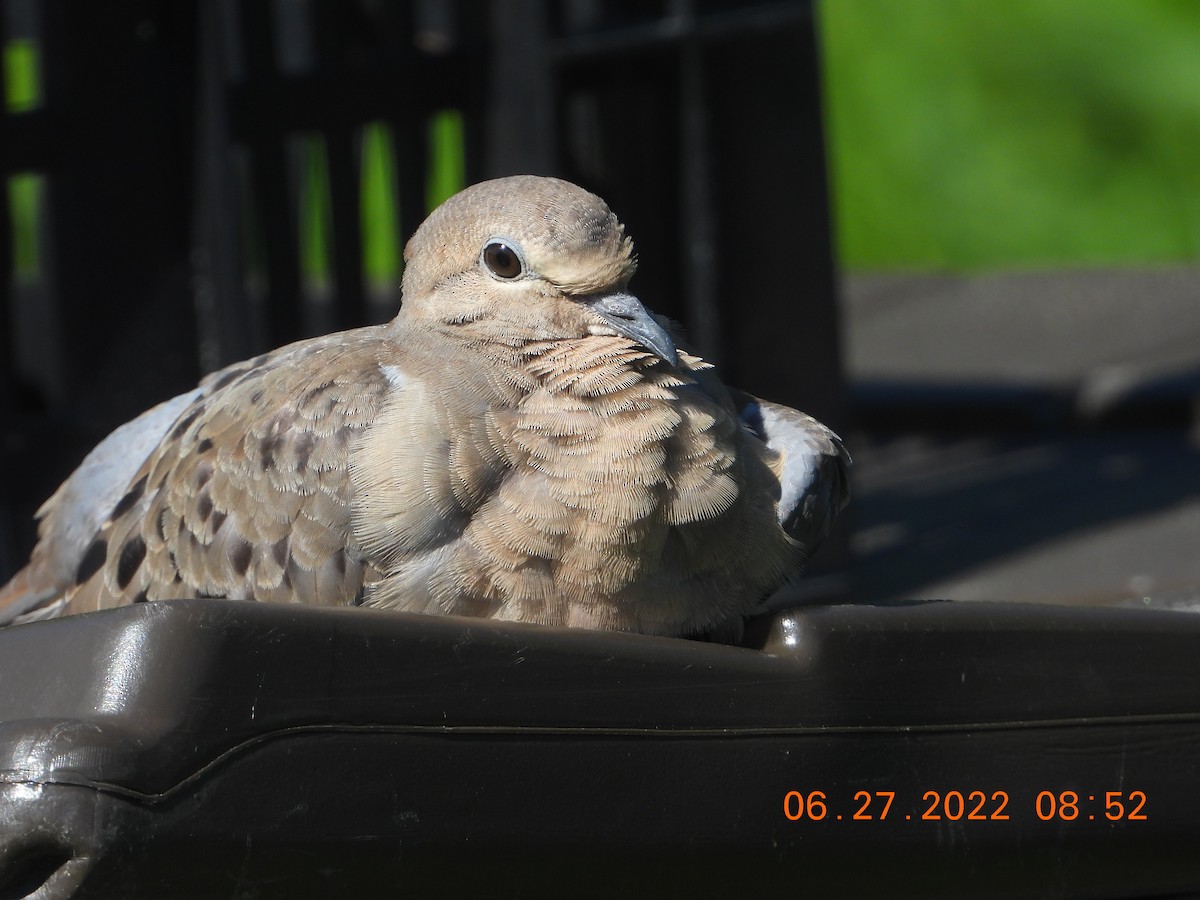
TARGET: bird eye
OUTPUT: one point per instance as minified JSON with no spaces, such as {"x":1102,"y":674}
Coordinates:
{"x":502,"y":260}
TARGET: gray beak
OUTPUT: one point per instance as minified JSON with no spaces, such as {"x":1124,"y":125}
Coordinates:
{"x":628,"y":318}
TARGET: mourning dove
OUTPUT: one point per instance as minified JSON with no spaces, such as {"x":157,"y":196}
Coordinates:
{"x":524,"y":441}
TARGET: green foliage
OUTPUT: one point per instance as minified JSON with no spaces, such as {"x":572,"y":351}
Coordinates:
{"x":22,"y":87}
{"x":379,"y":207}
{"x":380,"y":202}
{"x":23,"y":92}
{"x":25,"y":193}
{"x":982,"y":133}
{"x":448,"y":174}
{"x":316,"y":214}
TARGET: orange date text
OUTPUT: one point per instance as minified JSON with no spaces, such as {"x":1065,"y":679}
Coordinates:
{"x":965,"y":805}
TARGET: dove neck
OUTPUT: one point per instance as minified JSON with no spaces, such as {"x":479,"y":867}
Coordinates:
{"x":515,"y":365}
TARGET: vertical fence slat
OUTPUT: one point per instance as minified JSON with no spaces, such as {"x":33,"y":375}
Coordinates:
{"x":7,"y":275}
{"x":520,"y":100}
{"x":345,"y":186}
{"x":8,"y":562}
{"x":227,"y":329}
{"x":412,"y":166}
{"x":264,"y":135}
{"x":697,"y":215}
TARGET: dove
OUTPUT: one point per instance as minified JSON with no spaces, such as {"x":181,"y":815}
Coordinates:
{"x":524,"y":441}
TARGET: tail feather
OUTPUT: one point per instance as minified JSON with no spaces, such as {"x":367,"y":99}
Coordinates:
{"x":28,"y":597}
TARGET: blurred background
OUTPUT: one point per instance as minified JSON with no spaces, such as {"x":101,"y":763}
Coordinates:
{"x":964,"y":233}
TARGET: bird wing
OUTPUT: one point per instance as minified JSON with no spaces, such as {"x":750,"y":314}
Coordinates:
{"x":813,"y":467}
{"x":75,"y":512}
{"x":245,"y":494}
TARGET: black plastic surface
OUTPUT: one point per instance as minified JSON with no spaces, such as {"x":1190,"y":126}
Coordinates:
{"x":201,"y":748}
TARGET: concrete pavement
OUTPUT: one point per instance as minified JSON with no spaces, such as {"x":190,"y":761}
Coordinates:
{"x":1026,"y":436}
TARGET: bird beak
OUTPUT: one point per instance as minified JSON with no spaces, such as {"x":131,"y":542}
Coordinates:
{"x":628,"y":318}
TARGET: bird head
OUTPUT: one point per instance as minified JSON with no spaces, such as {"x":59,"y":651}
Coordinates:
{"x":528,"y":258}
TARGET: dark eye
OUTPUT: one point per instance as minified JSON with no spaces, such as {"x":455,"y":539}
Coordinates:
{"x":502,"y":260}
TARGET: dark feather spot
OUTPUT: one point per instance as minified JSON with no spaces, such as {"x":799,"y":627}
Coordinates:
{"x":256,"y":396}
{"x":227,"y":379}
{"x":280,"y":551}
{"x":92,"y":560}
{"x":131,"y":557}
{"x":310,"y":397}
{"x":239,"y":556}
{"x":304,"y":448}
{"x":204,"y":507}
{"x":204,"y":446}
{"x":218,"y":520}
{"x":186,"y":422}
{"x":267,"y":448}
{"x":133,"y":495}
{"x":141,"y":596}
{"x":204,"y":474}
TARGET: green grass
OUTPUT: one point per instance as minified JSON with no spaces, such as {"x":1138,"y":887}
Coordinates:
{"x":1002,"y":133}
